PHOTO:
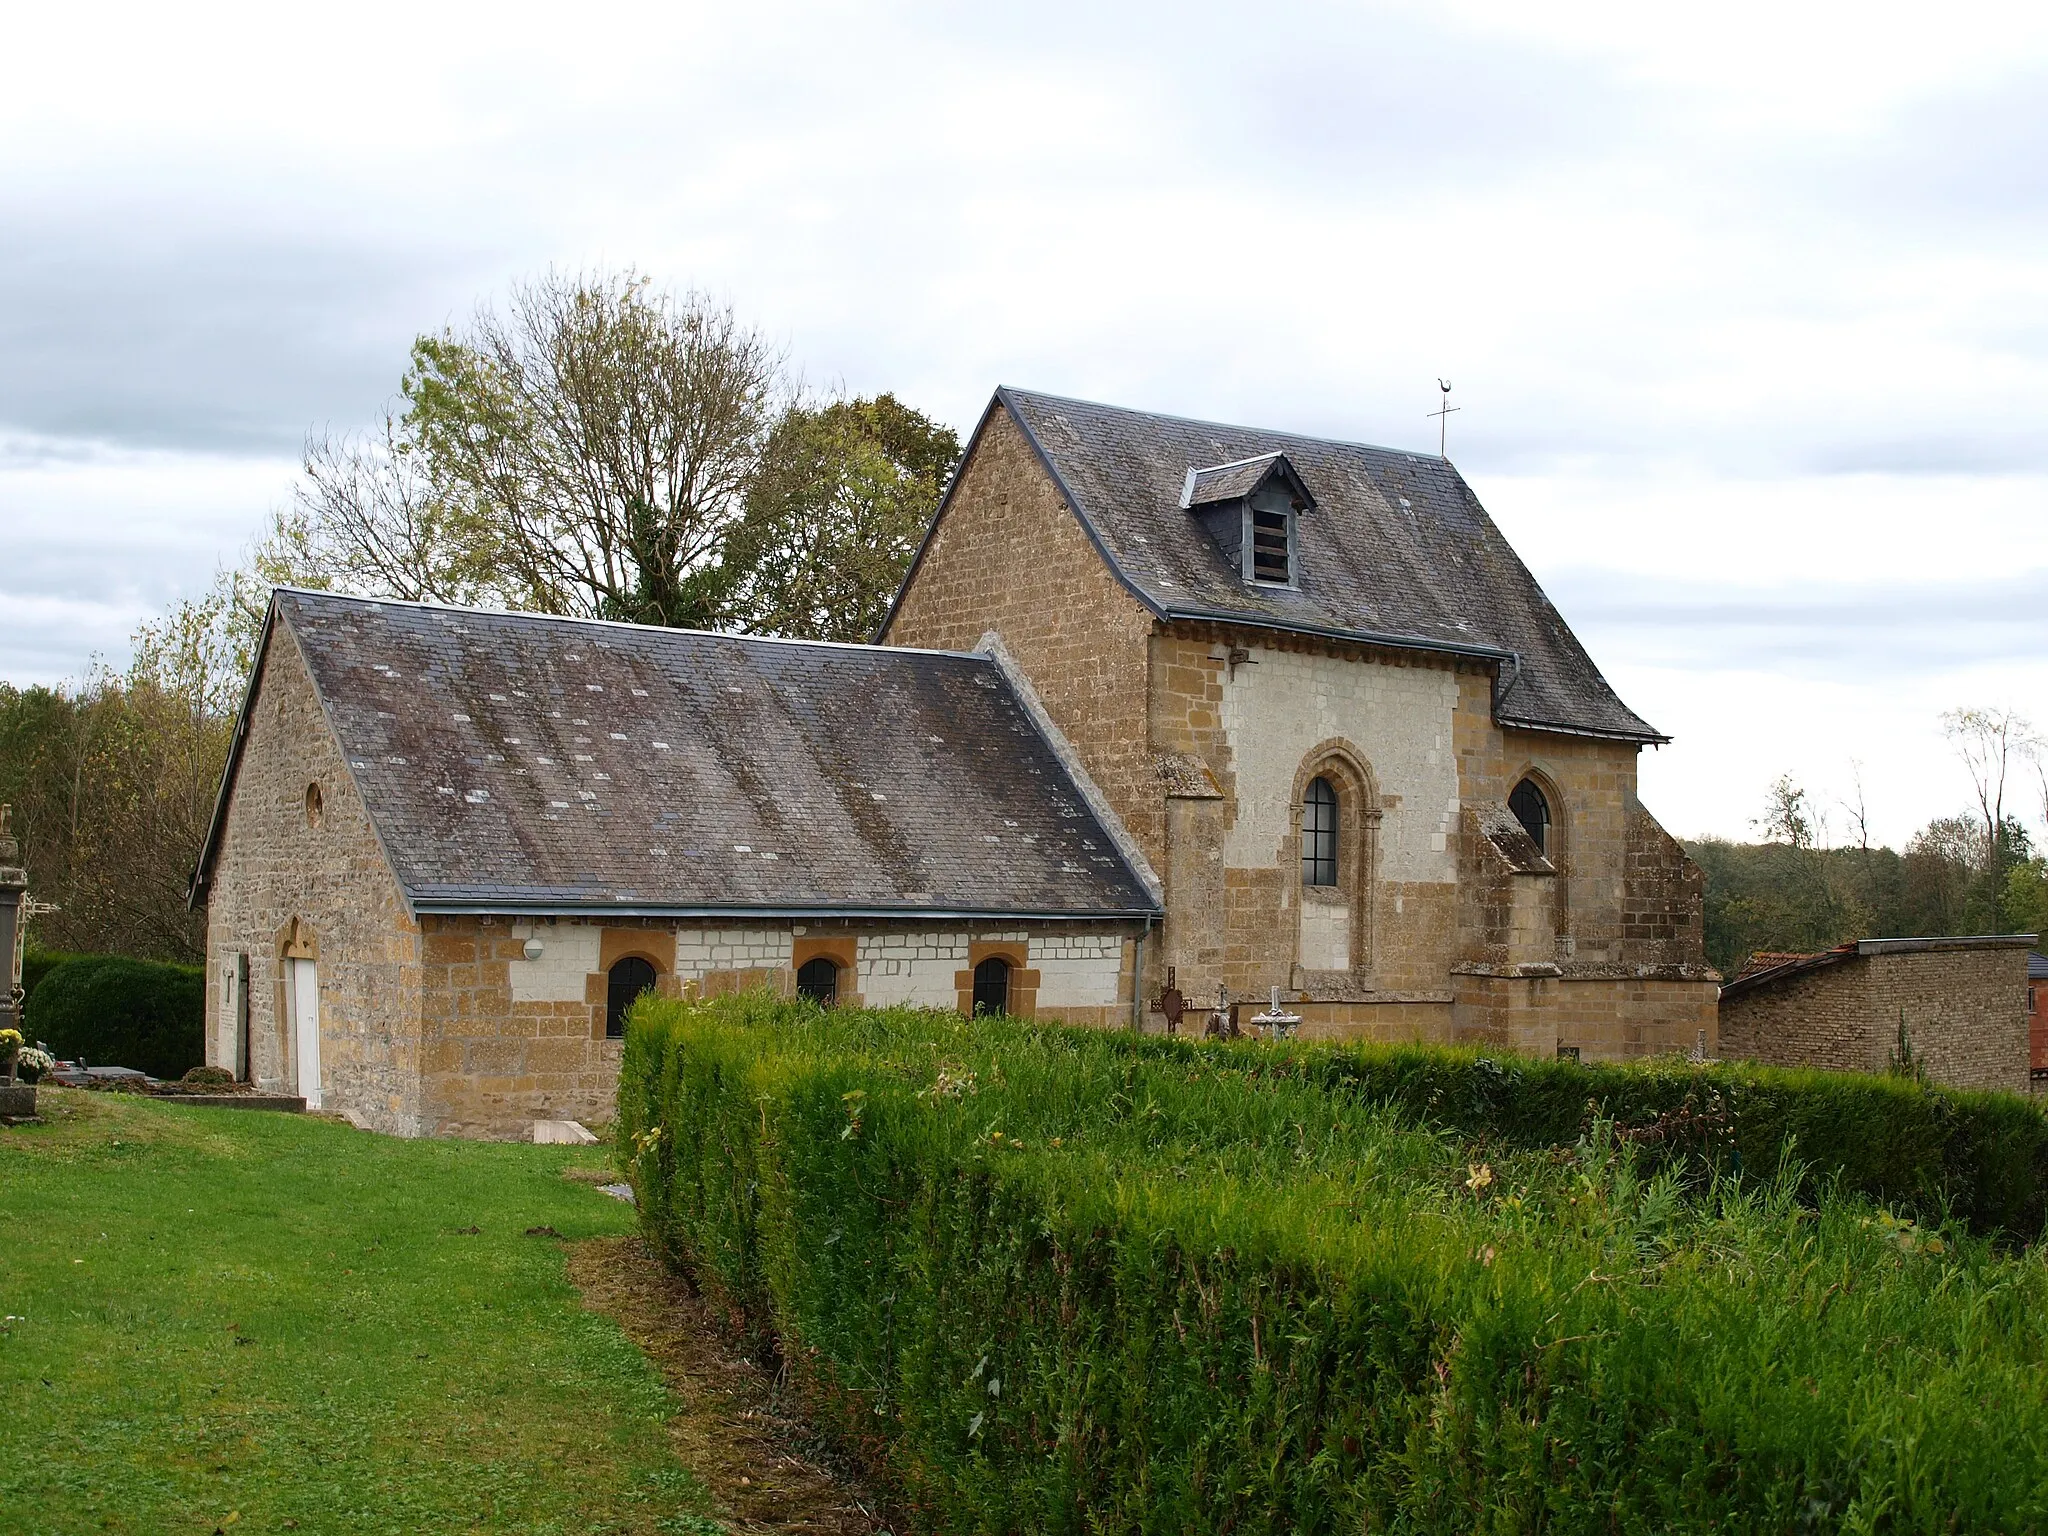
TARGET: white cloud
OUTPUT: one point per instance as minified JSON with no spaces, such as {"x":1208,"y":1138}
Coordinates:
{"x":1745,"y":307}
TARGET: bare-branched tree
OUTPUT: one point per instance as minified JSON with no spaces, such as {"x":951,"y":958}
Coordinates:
{"x":585,"y":453}
{"x":365,"y":517}
{"x":595,"y":446}
{"x":1991,"y":744}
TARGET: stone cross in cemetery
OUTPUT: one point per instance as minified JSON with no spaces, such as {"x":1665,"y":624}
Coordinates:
{"x":16,"y":908}
{"x":13,"y":918}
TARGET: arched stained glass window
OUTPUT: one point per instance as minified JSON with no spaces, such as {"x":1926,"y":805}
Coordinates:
{"x":818,"y":979}
{"x":1319,"y":834}
{"x":1532,"y":810}
{"x":628,"y":979}
{"x":992,"y":986}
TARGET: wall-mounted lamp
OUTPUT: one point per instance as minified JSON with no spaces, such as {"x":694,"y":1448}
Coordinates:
{"x":534,"y":949}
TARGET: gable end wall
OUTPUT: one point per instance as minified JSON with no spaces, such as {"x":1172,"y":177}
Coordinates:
{"x":1009,"y":555}
{"x":271,"y":869}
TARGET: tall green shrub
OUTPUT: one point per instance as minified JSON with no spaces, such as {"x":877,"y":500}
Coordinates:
{"x":1046,"y":1282}
{"x":37,"y":963}
{"x":111,"y":1011}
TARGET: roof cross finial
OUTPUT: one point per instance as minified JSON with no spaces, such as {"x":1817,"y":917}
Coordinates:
{"x":1443,"y":416}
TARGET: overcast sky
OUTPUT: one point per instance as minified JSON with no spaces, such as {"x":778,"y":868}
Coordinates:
{"x":1747,"y":314}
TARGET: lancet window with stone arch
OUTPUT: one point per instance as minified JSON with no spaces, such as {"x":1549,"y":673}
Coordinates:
{"x":1539,"y":806}
{"x":1337,"y":827}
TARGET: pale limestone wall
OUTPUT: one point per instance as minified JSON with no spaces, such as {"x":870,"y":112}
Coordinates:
{"x":917,"y":969}
{"x":277,"y":873}
{"x":1081,"y":970}
{"x":1283,"y":703}
{"x":1236,"y":911}
{"x":1077,"y":969}
{"x":701,"y":951}
{"x":511,"y":1040}
{"x":569,"y":957}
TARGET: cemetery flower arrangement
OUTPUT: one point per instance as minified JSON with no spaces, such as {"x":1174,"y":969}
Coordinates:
{"x":32,"y":1062}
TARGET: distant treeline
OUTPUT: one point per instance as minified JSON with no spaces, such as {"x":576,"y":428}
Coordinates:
{"x":1774,"y":897}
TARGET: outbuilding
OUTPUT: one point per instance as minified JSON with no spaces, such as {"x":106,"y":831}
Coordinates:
{"x":1955,"y":1008}
{"x":452,"y":847}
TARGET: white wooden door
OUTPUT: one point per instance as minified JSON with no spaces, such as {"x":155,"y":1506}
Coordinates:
{"x":305,"y":1000}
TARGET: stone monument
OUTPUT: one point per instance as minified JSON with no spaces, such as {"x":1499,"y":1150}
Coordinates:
{"x":17,"y":1100}
{"x":13,"y":918}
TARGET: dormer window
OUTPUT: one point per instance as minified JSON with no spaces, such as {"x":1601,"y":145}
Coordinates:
{"x":1252,"y":508}
{"x":1272,"y":545}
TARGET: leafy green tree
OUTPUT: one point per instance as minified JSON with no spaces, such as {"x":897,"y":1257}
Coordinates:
{"x":584,"y":454}
{"x":113,"y":780}
{"x":1941,"y":861}
{"x":2026,"y":897}
{"x":846,"y":490}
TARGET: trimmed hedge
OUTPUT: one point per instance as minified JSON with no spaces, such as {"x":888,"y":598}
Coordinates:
{"x":38,"y":963}
{"x":1978,"y":1157}
{"x":109,"y":1010}
{"x":1042,"y":1280}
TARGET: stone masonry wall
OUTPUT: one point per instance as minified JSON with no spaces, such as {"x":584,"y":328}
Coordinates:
{"x":509,"y":1040}
{"x":1591,"y":786}
{"x":1964,"y":1010}
{"x":1206,"y":785}
{"x":1010,"y":556}
{"x":276,"y":871}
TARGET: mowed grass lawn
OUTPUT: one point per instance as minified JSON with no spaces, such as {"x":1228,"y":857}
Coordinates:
{"x":216,"y":1313}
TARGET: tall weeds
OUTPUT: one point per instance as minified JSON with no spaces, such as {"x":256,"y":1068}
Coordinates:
{"x":1046,"y":1282}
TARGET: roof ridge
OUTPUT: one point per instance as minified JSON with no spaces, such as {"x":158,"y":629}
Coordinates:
{"x":529,"y":614}
{"x":1225,"y":426}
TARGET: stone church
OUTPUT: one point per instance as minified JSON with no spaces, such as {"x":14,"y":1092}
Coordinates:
{"x":1160,"y":701}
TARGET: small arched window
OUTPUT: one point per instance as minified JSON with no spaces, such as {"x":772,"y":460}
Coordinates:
{"x":1532,"y":810}
{"x":1319,"y":834}
{"x":818,"y":979}
{"x":992,"y":986}
{"x":628,"y":979}
{"x":313,"y":805}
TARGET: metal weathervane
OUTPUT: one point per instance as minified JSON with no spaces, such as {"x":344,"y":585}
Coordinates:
{"x":1443,"y":415}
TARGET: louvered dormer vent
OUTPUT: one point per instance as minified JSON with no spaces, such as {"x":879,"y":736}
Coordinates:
{"x":1252,"y":508}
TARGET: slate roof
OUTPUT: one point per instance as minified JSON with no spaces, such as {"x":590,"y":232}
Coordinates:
{"x":513,"y":762}
{"x":1398,"y":551}
{"x":1228,"y":482}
